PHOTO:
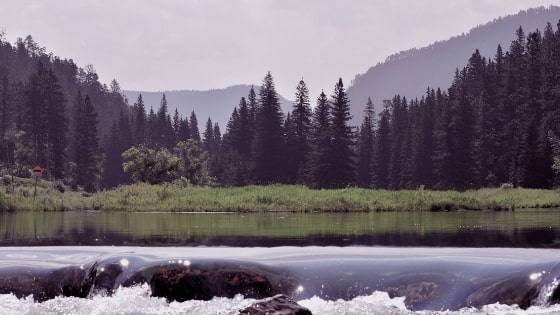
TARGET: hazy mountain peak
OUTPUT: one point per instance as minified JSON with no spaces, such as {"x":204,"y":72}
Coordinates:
{"x":217,"y":104}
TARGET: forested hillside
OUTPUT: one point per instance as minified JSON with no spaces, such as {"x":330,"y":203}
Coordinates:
{"x":409,"y":72}
{"x":499,"y":122}
{"x":50,"y":111}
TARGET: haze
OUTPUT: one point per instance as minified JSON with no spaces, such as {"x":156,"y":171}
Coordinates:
{"x":172,"y":45}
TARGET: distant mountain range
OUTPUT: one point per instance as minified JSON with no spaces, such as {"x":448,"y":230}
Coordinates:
{"x":216,"y":104}
{"x":409,"y":73}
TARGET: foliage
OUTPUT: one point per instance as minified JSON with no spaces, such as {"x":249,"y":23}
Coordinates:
{"x":150,"y":166}
{"x":555,"y":143}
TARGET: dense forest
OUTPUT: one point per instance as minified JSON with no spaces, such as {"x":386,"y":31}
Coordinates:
{"x":498,"y":123}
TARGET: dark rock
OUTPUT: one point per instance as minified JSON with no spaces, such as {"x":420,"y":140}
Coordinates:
{"x":279,"y":304}
{"x":415,"y":293}
{"x":104,"y":281}
{"x":198,"y":283}
{"x":44,"y":285}
{"x":516,"y":290}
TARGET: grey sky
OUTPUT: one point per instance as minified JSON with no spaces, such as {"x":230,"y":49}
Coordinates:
{"x":196,"y":44}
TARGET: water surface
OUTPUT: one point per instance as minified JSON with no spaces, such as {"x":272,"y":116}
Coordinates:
{"x":521,"y":228}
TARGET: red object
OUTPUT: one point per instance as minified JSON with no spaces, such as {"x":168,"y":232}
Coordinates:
{"x":37,"y":170}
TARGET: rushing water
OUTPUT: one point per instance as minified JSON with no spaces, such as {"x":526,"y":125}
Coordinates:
{"x":327,"y":280}
{"x":351,"y":263}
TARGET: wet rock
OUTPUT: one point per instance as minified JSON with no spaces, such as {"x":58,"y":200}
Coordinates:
{"x":279,"y":304}
{"x":105,"y":278}
{"x":415,"y":293}
{"x":196,"y":283}
{"x":44,"y":284}
{"x":516,"y":290}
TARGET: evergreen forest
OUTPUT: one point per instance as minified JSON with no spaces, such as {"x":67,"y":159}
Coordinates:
{"x":498,"y":123}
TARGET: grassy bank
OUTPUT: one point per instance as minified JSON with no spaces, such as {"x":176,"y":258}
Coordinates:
{"x":175,"y":197}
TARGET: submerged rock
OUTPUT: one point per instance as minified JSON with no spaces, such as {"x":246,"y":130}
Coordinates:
{"x":198,"y":283}
{"x":279,"y":304}
{"x":43,"y":284}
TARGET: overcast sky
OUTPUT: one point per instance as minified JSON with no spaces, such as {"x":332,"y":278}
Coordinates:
{"x":204,"y":44}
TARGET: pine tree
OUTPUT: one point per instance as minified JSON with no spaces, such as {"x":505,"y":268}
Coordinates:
{"x":253,"y":105}
{"x":382,"y":151}
{"x":86,"y":145}
{"x":342,"y":158}
{"x":78,"y":151}
{"x":6,"y":121}
{"x":165,"y":134}
{"x":398,"y":128}
{"x":152,"y":129}
{"x":320,"y":150}
{"x":301,"y":121}
{"x":193,"y":124}
{"x":290,"y":153}
{"x":208,"y":136}
{"x":140,"y":121}
{"x":184,"y":132}
{"x":442,"y":143}
{"x":268,"y":142}
{"x":57,"y":125}
{"x":365,"y":146}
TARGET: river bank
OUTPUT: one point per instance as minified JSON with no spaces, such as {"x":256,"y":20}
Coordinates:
{"x":20,"y":196}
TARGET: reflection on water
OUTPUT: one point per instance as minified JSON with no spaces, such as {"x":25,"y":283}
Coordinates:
{"x":522,"y":228}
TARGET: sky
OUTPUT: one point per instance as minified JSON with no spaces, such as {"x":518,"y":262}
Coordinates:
{"x":164,"y":45}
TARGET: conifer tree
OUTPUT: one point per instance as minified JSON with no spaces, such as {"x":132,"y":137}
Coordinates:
{"x":87,"y":155}
{"x":342,"y":158}
{"x":399,"y":125}
{"x":193,"y":124}
{"x":184,"y":132}
{"x":366,"y":143}
{"x":320,"y":150}
{"x":208,"y":136}
{"x":301,"y":122}
{"x":140,"y":121}
{"x":382,"y":151}
{"x":6,"y":121}
{"x":253,"y":105}
{"x":267,"y":145}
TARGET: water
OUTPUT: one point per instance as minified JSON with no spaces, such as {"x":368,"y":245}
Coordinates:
{"x":120,"y":303}
{"x":352,"y":263}
{"x":327,"y":280}
{"x":522,"y":228}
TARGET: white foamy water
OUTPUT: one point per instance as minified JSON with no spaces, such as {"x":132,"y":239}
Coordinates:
{"x":138,"y":300}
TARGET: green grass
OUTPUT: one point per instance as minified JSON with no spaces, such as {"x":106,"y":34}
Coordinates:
{"x":176,"y":198}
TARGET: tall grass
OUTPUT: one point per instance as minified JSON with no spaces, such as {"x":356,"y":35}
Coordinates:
{"x":175,"y":197}
{"x":144,"y":197}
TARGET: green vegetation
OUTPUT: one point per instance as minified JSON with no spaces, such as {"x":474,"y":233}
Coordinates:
{"x":181,"y":196}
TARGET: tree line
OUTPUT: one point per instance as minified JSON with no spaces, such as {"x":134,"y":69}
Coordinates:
{"x":498,"y":122}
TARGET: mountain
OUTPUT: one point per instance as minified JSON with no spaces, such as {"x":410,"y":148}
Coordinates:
{"x":217,"y":104}
{"x":409,"y":73}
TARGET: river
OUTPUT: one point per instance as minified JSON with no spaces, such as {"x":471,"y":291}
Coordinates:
{"x":336,"y":263}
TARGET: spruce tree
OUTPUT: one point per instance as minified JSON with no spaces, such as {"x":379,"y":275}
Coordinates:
{"x":193,"y":124}
{"x":382,"y":151}
{"x":366,"y":142}
{"x":267,"y":145}
{"x":208,"y":136}
{"x":301,"y":122}
{"x":342,"y":158}
{"x":321,"y":143}
{"x":87,"y":161}
{"x":140,"y":121}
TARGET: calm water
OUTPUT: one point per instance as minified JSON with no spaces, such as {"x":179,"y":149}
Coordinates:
{"x":521,"y":228}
